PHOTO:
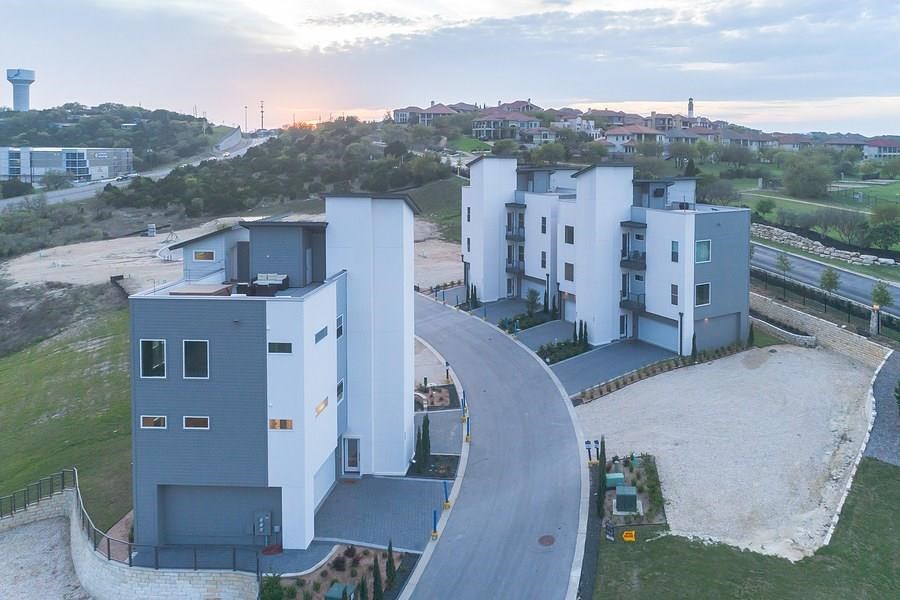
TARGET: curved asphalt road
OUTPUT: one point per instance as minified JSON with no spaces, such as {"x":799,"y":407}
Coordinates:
{"x":852,"y":285}
{"x":523,"y":476}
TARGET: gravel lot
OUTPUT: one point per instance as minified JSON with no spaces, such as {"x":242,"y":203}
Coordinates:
{"x":37,"y":563}
{"x":753,"y":449}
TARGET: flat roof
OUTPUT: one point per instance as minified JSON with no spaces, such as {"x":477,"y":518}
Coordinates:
{"x":203,"y":237}
{"x":602,"y":165}
{"x":405,"y":197}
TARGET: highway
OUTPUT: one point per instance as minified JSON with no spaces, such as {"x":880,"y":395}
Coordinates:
{"x":852,"y":285}
{"x":85,"y":191}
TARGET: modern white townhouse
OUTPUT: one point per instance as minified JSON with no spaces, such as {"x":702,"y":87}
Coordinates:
{"x":631,"y":258}
{"x":279,"y":363}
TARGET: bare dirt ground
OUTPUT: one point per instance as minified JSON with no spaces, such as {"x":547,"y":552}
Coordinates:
{"x":141,"y":259}
{"x":753,"y":450}
{"x":37,"y":563}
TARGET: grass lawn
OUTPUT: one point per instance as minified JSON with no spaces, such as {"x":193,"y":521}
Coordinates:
{"x":878,"y":271}
{"x":762,"y":338}
{"x":862,"y":560}
{"x":66,"y":402}
{"x":468,"y":144}
{"x":440,"y":204}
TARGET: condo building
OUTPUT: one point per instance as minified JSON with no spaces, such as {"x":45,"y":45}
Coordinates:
{"x":632,"y":258}
{"x":279,"y":363}
{"x":79,"y":164}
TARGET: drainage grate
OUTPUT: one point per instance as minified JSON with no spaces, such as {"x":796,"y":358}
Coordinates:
{"x":546,"y":540}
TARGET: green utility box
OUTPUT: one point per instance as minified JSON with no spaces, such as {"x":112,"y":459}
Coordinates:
{"x":614,"y":480}
{"x":626,"y":498}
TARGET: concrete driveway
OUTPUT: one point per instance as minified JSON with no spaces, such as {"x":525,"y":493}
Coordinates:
{"x":552,"y":331}
{"x":524,"y":473}
{"x":492,"y":312}
{"x":603,"y":363}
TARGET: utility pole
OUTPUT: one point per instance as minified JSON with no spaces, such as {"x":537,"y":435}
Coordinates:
{"x":245,"y":118}
{"x":262,"y":113}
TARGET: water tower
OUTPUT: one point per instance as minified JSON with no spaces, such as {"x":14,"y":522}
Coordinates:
{"x":20,"y":80}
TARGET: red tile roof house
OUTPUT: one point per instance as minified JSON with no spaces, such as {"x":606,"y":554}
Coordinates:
{"x":636,"y":134}
{"x":751,"y":139}
{"x":850,"y":140}
{"x":498,"y":124}
{"x":422,"y":116}
{"x":518,"y":106}
{"x":886,"y":146}
{"x":793,"y":142}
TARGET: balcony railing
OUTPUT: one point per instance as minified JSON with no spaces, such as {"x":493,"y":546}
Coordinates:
{"x":515,"y":234}
{"x":635,"y":302}
{"x":634,"y":260}
{"x":515,"y":266}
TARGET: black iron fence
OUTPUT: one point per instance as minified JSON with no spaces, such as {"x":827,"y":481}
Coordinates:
{"x":41,"y":490}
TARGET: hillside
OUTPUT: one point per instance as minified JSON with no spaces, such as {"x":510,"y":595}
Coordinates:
{"x":157,"y":137}
{"x":440,"y":204}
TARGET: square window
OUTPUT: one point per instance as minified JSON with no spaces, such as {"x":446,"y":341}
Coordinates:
{"x":196,"y":359}
{"x":570,"y":234}
{"x":569,"y":271}
{"x":339,"y":327}
{"x":196,"y":422}
{"x":702,"y":295}
{"x":321,"y":334}
{"x":340,"y":390}
{"x":702,"y":251}
{"x":280,"y":424}
{"x":153,"y":358}
{"x":153,"y":422}
{"x":204,"y":255}
{"x":280,"y":347}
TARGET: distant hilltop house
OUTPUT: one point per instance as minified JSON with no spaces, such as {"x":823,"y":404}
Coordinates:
{"x":625,"y":139}
{"x":579,"y":124}
{"x":793,"y":142}
{"x":32,"y":164}
{"x":498,"y":124}
{"x":755,"y":140}
{"x":887,"y":146}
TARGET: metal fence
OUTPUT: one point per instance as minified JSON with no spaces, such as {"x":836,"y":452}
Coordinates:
{"x":224,"y":558}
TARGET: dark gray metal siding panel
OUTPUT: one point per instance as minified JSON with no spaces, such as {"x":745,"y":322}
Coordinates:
{"x":214,"y":515}
{"x":243,"y":262}
{"x":729,"y":270}
{"x":277,"y":250}
{"x":233,"y":452}
{"x":716,"y":332}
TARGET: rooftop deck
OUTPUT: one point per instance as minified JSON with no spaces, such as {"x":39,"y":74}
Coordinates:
{"x":215,"y":285}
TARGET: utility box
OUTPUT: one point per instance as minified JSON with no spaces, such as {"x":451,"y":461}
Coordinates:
{"x":336,"y":592}
{"x":614,"y":480}
{"x":262,"y":522}
{"x":626,"y":499}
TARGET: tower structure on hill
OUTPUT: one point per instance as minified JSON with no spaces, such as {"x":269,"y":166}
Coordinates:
{"x":21,"y":80}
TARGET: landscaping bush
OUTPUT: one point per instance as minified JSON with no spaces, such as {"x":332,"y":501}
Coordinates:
{"x":339,"y":563}
{"x":290,"y":592}
{"x":271,"y":588}
{"x":350,"y":551}
{"x":553,"y":353}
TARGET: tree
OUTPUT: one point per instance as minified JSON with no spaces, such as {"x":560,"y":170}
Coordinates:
{"x":738,"y":156}
{"x":396,"y":149}
{"x":750,"y":339}
{"x":694,"y":348}
{"x":601,"y":479}
{"x":704,"y":149}
{"x":884,"y":235}
{"x":691,"y":170}
{"x":807,"y":177}
{"x":881,"y":294}
{"x":649,"y":149}
{"x":851,"y":226}
{"x":550,"y":153}
{"x":426,"y":442}
{"x":390,"y":567}
{"x":554,"y":311}
{"x":574,"y":332}
{"x":377,"y":589}
{"x":884,"y":212}
{"x":56,"y":180}
{"x":531,"y":301}
{"x":890,"y":168}
{"x":682,"y":152}
{"x":505,"y":147}
{"x":594,"y":152}
{"x":546,"y":303}
{"x":784,"y":265}
{"x":712,"y":190}
{"x":417,"y":456}
{"x":14,"y":187}
{"x":829,"y":282}
{"x":363,"y":590}
{"x":764,"y":206}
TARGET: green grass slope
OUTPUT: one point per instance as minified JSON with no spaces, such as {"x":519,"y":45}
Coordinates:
{"x":440,"y":202}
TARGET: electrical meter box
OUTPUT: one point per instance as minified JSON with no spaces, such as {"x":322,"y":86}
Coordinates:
{"x":262,"y":522}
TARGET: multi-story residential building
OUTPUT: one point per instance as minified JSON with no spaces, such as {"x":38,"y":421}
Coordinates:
{"x":413,"y":115}
{"x":280,"y":362}
{"x":626,"y":138}
{"x":519,"y":106}
{"x":660,"y":121}
{"x":500,"y":124}
{"x":463,"y":107}
{"x":887,"y":146}
{"x":538,"y":135}
{"x":793,"y":142}
{"x":846,"y":141}
{"x":755,"y":140}
{"x":79,"y":164}
{"x":631,"y":258}
{"x":579,"y":124}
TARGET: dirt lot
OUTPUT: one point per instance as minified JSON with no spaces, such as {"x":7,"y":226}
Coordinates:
{"x":753,"y":450}
{"x":140,"y":259}
{"x":37,"y":563}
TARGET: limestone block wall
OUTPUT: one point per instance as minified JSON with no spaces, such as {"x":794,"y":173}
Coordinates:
{"x":807,"y":341}
{"x":55,"y":506}
{"x":827,"y":334}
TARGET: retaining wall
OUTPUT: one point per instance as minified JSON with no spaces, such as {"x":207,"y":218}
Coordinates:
{"x":807,"y":341}
{"x":829,"y":335}
{"x":54,"y":506}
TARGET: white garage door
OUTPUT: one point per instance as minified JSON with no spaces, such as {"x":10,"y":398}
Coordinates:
{"x":658,"y":333}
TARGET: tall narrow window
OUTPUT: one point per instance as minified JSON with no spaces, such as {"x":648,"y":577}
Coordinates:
{"x":153,"y":358}
{"x":674,"y":294}
{"x":569,"y":271}
{"x":340,"y":390}
{"x":570,"y":234}
{"x":468,"y":244}
{"x":468,"y":214}
{"x":702,"y":295}
{"x":674,"y":251}
{"x":543,"y":224}
{"x":321,"y":334}
{"x":196,"y":359}
{"x":543,"y":259}
{"x":339,"y":327}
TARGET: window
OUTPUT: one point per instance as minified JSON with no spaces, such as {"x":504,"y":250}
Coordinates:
{"x":468,"y":214}
{"x":543,"y":224}
{"x":339,"y":327}
{"x":508,"y":286}
{"x":196,"y":422}
{"x":674,"y":251}
{"x":321,"y":406}
{"x":280,"y":347}
{"x":196,"y":359}
{"x":702,"y":296}
{"x":659,"y":192}
{"x":570,"y":234}
{"x":281,"y":424}
{"x":321,"y":334}
{"x":340,"y":390}
{"x":204,"y":255}
{"x":623,"y":320}
{"x":468,"y":244}
{"x":674,"y":295}
{"x":521,"y":254}
{"x":521,"y":220}
{"x":638,"y":277}
{"x":153,"y":358}
{"x":153,"y":422}
{"x":570,"y":272}
{"x":543,"y":259}
{"x":702,"y":251}
{"x":639,"y":236}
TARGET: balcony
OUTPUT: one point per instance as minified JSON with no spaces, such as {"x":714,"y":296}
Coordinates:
{"x":516,"y":267}
{"x":634,"y":261}
{"x":515,"y":234}
{"x":633,"y":302}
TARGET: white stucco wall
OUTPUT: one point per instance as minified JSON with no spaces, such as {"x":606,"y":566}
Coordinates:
{"x":664,"y":227}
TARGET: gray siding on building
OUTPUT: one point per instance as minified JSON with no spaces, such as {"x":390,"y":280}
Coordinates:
{"x":233,"y":452}
{"x":728,"y":273}
{"x":277,"y":250}
{"x":214,"y":514}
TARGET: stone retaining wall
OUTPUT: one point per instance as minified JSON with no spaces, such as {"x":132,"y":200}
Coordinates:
{"x":827,"y":334}
{"x":806,"y":341}
{"x":55,"y":506}
{"x":775,"y":234}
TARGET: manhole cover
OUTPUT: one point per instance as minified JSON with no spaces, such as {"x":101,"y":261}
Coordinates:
{"x":546,"y":540}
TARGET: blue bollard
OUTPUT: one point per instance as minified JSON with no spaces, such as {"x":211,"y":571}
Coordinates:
{"x":446,"y":497}
{"x":434,"y":525}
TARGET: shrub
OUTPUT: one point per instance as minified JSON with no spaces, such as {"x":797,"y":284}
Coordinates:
{"x":317,"y":586}
{"x":301,"y":582}
{"x":290,"y":592}
{"x":271,"y":588}
{"x":324,"y":573}
{"x":353,"y":573}
{"x":339,"y":563}
{"x":355,"y":561}
{"x":640,"y":488}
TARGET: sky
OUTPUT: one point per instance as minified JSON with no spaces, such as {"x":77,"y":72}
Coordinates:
{"x":786,"y":65}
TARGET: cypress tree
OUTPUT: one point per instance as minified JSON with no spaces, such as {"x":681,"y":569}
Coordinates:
{"x":694,"y":348}
{"x":750,"y":337}
{"x":390,"y":567}
{"x":546,"y":303}
{"x":574,"y":333}
{"x":418,"y":454}
{"x":426,"y":442}
{"x":601,"y":489}
{"x":554,"y":310}
{"x":363,"y":591}
{"x":468,"y":294}
{"x":585,"y":334}
{"x":377,"y":590}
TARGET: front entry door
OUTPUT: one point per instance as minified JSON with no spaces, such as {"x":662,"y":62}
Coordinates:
{"x":351,"y":455}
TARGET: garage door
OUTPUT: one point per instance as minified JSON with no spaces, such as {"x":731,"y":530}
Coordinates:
{"x":658,"y":333}
{"x":569,"y":310}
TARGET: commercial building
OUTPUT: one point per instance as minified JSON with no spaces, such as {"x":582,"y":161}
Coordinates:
{"x":631,"y":258}
{"x":79,"y":164}
{"x":281,"y":362}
